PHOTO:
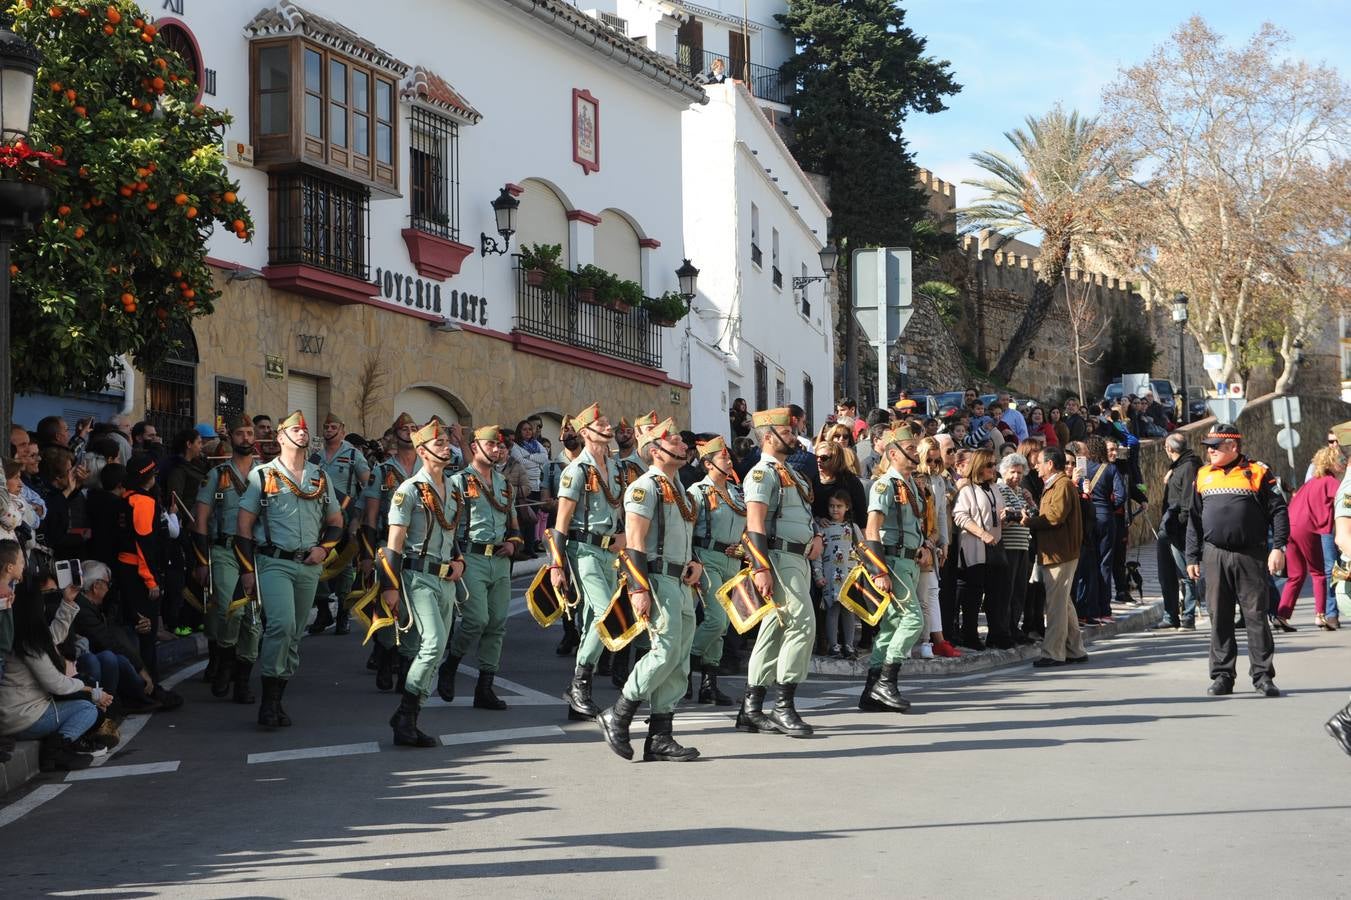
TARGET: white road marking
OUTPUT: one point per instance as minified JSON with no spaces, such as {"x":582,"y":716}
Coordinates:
{"x":29,"y":802}
{"x":503,"y":734}
{"x":524,"y":696}
{"x":182,"y":675}
{"x":314,"y":752}
{"x":120,"y":771}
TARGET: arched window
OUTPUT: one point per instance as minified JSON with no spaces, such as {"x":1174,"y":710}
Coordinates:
{"x":179,"y":39}
{"x":617,"y":248}
{"x":542,"y":218}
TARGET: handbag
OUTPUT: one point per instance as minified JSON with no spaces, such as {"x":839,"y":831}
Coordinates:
{"x":994,"y":553}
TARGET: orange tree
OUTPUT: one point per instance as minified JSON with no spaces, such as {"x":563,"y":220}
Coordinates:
{"x":120,"y":257}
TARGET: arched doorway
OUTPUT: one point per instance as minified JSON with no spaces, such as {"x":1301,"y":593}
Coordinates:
{"x":171,"y":386}
{"x":424,"y":402}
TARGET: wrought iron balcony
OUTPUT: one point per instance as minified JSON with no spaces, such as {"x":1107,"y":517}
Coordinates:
{"x":764,"y":83}
{"x":776,"y":276}
{"x":756,"y":256}
{"x":563,"y":318}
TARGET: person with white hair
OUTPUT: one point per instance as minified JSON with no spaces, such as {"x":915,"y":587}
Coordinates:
{"x":1016,"y":540}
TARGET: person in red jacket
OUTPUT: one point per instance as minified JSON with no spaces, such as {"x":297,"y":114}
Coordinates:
{"x":1311,"y":518}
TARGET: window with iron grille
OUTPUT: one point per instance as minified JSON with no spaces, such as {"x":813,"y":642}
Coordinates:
{"x":761,"y":383}
{"x":319,"y":221}
{"x":809,"y":402}
{"x":434,"y":158}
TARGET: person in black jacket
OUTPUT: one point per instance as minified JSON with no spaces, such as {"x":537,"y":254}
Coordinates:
{"x":1179,"y":495}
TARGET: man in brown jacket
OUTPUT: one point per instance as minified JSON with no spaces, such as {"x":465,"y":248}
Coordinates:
{"x":1060,"y":533}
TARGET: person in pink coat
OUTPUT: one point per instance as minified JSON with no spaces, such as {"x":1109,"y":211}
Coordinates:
{"x":1310,"y":518}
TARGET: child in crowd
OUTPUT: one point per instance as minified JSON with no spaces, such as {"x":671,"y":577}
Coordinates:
{"x":840,"y":535}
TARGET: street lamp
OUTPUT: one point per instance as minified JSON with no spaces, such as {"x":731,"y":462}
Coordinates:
{"x":828,"y":256}
{"x":688,"y":276}
{"x":21,"y":202}
{"x":1180,"y":317}
{"x":504,"y":211}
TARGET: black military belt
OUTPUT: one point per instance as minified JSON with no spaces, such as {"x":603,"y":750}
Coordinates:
{"x":787,"y":546}
{"x":430,"y":566}
{"x":603,"y":541}
{"x":477,"y":549}
{"x":902,"y":552}
{"x":278,"y":553}
{"x":674,"y":570}
{"x":710,"y":544}
{"x":226,"y":541}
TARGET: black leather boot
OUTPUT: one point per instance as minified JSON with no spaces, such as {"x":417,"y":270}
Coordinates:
{"x":865,"y":700}
{"x":343,"y":623}
{"x":619,"y":667}
{"x":660,"y":746}
{"x":784,"y":718}
{"x":571,"y":640}
{"x":225,"y":670}
{"x":373,"y":661}
{"x":484,"y":698}
{"x":268,"y":709}
{"x":209,"y":673}
{"x":752,"y":716}
{"x":386,"y":666}
{"x":1339,"y":726}
{"x":405,"y":663}
{"x":243,"y":668}
{"x":282,"y":718}
{"x":445,"y":678}
{"x":708,"y":687}
{"x":404,"y":723}
{"x":323,"y":619}
{"x":884,"y":690}
{"x":614,"y":724}
{"x":581,"y":707}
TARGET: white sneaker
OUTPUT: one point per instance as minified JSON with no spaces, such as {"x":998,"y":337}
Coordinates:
{"x":926,"y":650}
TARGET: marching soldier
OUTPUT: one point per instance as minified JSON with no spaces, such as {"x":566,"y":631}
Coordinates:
{"x":401,"y":465}
{"x":419,"y":562}
{"x":490,"y":537}
{"x":288,"y":522}
{"x":348,"y":472}
{"x":659,"y":527}
{"x":215,"y":520}
{"x":632,"y":462}
{"x":572,"y":445}
{"x":584,"y":541}
{"x":717,"y":545}
{"x":780,"y":542}
{"x":893,"y":552}
{"x":1237,"y":505}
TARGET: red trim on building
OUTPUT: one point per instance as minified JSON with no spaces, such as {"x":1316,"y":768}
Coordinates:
{"x":316,"y":282}
{"x":514,"y":189}
{"x":435,"y":257}
{"x":581,"y":215}
{"x":583,"y":359}
{"x":649,"y":243}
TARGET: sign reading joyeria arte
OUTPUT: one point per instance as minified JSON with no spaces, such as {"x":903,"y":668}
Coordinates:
{"x":421,"y":294}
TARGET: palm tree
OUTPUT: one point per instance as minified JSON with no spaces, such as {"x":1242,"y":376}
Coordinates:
{"x":1060,"y":185}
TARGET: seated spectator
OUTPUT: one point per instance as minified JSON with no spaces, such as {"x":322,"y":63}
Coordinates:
{"x":18,"y":522}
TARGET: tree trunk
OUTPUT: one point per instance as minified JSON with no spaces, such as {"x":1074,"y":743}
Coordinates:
{"x":1026,"y":332}
{"x":1289,"y":372}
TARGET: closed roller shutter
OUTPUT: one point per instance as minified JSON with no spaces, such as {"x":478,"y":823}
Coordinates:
{"x":302,"y":393}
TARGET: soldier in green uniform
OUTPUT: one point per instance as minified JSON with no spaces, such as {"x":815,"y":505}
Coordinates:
{"x":717,"y":545}
{"x":490,"y":538}
{"x":781,"y":541}
{"x":348,"y":472}
{"x":658,"y":563}
{"x":418,"y":563}
{"x":572,"y":445}
{"x":215,"y":517}
{"x":583,"y":544}
{"x":289,"y":520}
{"x":895,"y":548}
{"x":401,"y":465}
{"x":632,"y":462}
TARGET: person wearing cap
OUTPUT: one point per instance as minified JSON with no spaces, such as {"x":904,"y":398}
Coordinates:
{"x":660,"y":572}
{"x":401,"y":465}
{"x":289,"y":519}
{"x":348,"y":472}
{"x":140,"y":562}
{"x":215,"y":520}
{"x":572,"y":444}
{"x":417,"y":566}
{"x":1238,"y":504}
{"x":720,"y":522}
{"x":633,"y":462}
{"x":490,"y":538}
{"x":780,"y":542}
{"x":587,"y":534}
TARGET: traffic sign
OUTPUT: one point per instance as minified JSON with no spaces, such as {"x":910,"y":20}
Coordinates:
{"x":1285,"y":411}
{"x":1287,"y":439}
{"x":882,"y":295}
{"x":1235,"y":389}
{"x":1226,"y":409}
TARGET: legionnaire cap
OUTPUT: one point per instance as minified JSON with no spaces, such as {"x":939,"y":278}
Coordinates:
{"x":1220,"y":432}
{"x":711,"y":447}
{"x":644,"y":422}
{"x":332,"y":419}
{"x":236,"y":422}
{"x":897,"y":435}
{"x":777,"y":416}
{"x":586,"y":417}
{"x":294,"y":420}
{"x":906,"y":405}
{"x":655,"y":433}
{"x":428,"y":432}
{"x":1342,"y":433}
{"x":404,"y":419}
{"x":487,"y":432}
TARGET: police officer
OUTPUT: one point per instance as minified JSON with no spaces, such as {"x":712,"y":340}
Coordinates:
{"x":417,"y":565}
{"x":659,"y":526}
{"x":781,"y":540}
{"x":717,"y":545}
{"x":894,"y":550}
{"x":1237,"y":505}
{"x":215,"y":519}
{"x":490,"y":538}
{"x":401,"y":465}
{"x":348,"y":472}
{"x":583,"y":543}
{"x":289,"y":520}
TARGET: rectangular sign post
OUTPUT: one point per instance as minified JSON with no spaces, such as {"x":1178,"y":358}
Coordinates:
{"x":883,"y":297}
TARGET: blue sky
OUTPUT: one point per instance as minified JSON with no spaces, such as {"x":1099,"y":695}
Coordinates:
{"x":1068,"y":51}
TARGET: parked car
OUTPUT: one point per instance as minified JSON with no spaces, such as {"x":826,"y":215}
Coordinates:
{"x":949,"y":400}
{"x":1162,"y":388}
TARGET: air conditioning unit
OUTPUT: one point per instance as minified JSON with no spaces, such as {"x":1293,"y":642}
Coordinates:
{"x":610,"y":21}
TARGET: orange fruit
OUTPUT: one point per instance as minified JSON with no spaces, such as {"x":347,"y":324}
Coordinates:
{"x":63,"y":210}
{"x":152,"y":206}
{"x":147,"y":36}
{"x":113,"y":15}
{"x":192,"y":212}
{"x":189,"y":293}
{"x":181,"y":199}
{"x":240,"y":225}
{"x":192,"y":304}
{"x":142,"y":187}
{"x":13,"y":269}
{"x":79,"y":232}
{"x":150,"y":30}
{"x":178,"y":273}
{"x":147,"y":107}
{"x":54,"y":12}
{"x":161,"y":62}
{"x":56,"y":87}
{"x":80,"y":111}
{"x":199,"y":110}
{"x":108,"y":29}
{"x":229,"y":197}
{"x":70,"y":94}
{"x":84,"y":171}
{"x":157,"y":83}
{"x":125,"y":190}
{"x":128,"y":298}
{"x":139,"y":23}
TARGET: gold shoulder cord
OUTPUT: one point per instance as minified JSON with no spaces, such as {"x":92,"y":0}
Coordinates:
{"x":475,"y":488}
{"x":786,"y":477}
{"x":295,"y":488}
{"x":433,"y":503}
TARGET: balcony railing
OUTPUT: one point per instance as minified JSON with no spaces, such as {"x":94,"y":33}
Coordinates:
{"x":806,"y":307}
{"x":319,"y":221}
{"x":563,"y":318}
{"x":756,"y":256}
{"x":764,"y":83}
{"x":776,"y":276}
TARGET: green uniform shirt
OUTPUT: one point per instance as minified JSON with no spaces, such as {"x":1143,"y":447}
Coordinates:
{"x":486,"y":524}
{"x":723,"y":524}
{"x":902,"y":523}
{"x":346,"y":468}
{"x":222,"y":501}
{"x":644,"y":497}
{"x":762,"y":485}
{"x":291,"y":522}
{"x":555,"y":471}
{"x":593,"y":512}
{"x":426,"y":536}
{"x":630,"y":467}
{"x":387,"y":477}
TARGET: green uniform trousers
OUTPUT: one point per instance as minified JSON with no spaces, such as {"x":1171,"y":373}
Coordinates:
{"x":902,"y":622}
{"x":663,"y":674}
{"x":783,"y":653}
{"x":597,"y":580}
{"x":340,"y":584}
{"x":431,"y":603}
{"x":718,"y":570}
{"x":240,"y":630}
{"x":483,"y":611}
{"x":287,"y":591}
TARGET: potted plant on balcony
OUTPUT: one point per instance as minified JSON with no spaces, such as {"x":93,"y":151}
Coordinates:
{"x":666,"y":310}
{"x":591,"y":283}
{"x":624,"y":295}
{"x":542,"y":267}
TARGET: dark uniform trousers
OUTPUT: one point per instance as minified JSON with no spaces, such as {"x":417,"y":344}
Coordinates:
{"x":1230,"y":577}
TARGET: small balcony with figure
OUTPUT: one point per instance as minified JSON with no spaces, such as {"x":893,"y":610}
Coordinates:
{"x":699,"y":44}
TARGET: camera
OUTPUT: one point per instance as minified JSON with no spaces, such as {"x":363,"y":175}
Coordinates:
{"x":1012,"y":515}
